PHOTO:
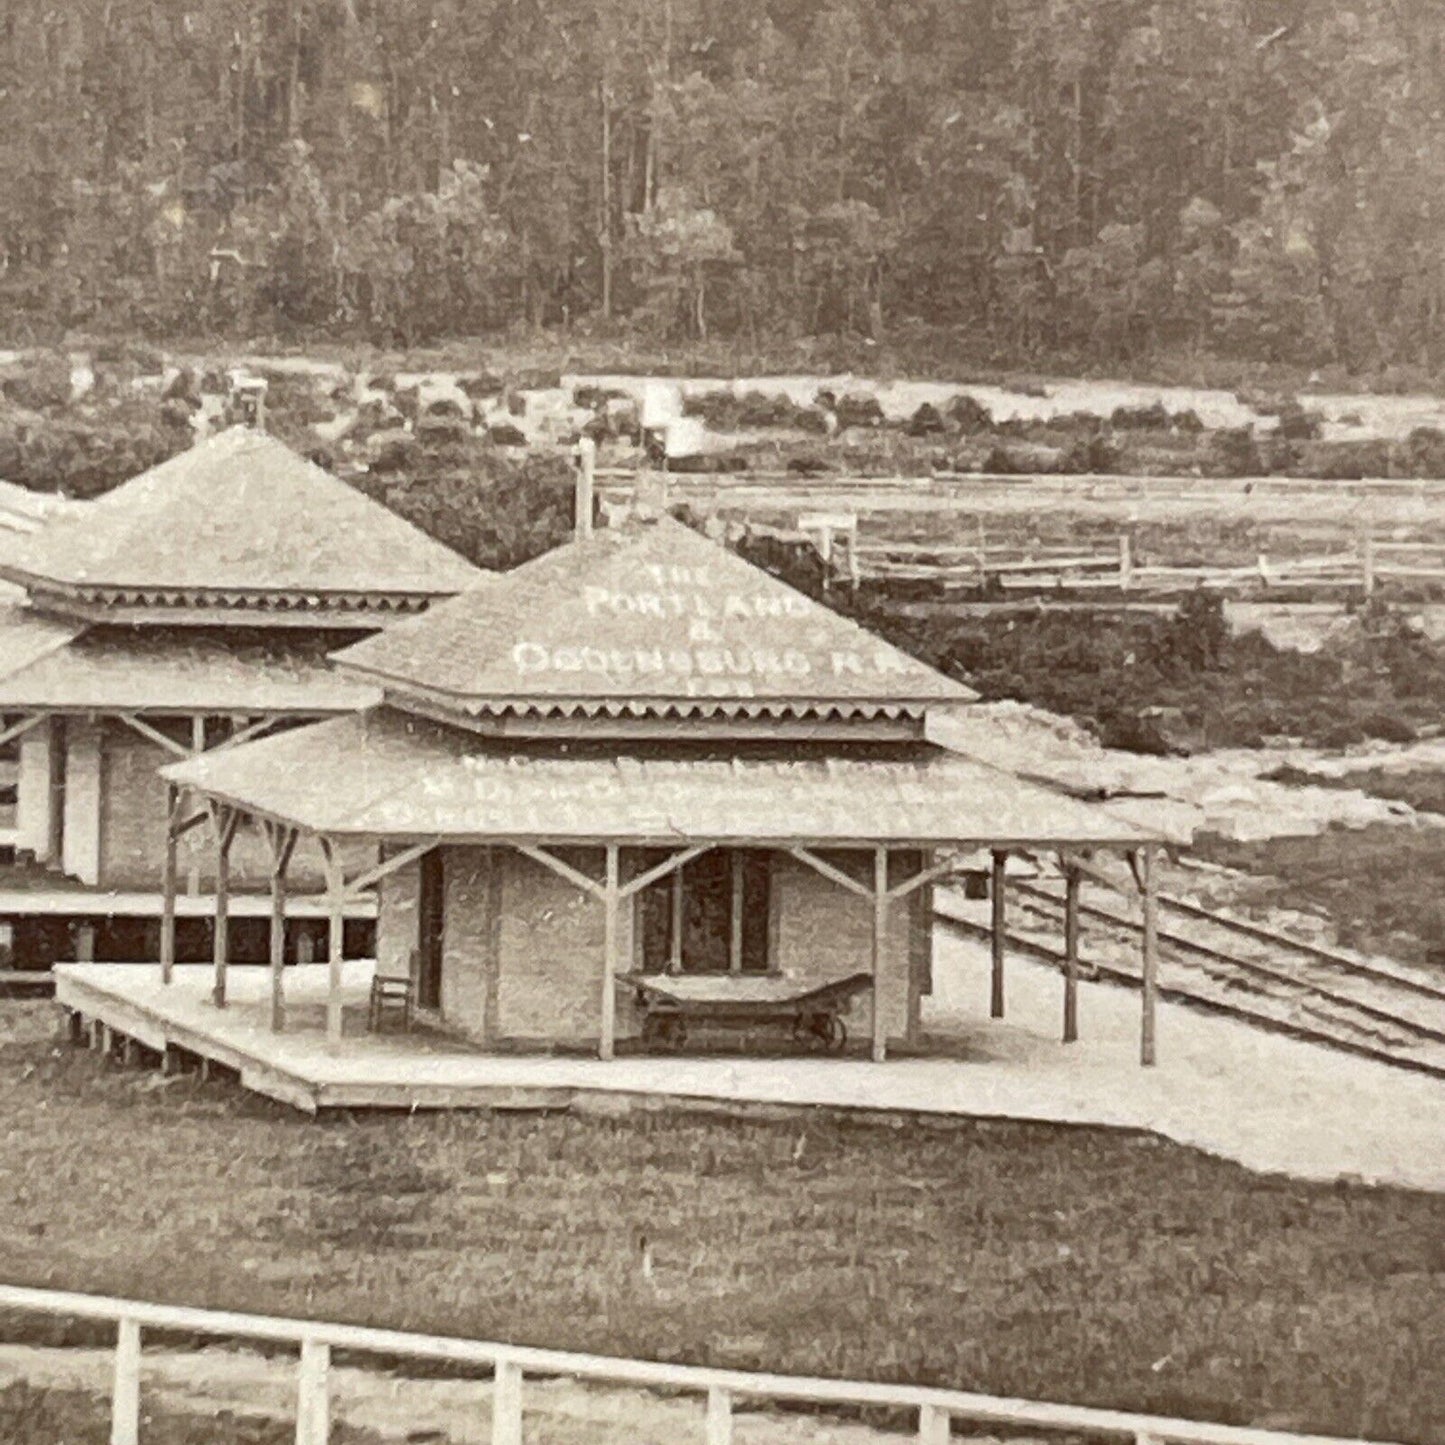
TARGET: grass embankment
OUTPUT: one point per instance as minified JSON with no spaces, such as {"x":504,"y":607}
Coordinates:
{"x":1061,"y":1263}
{"x":1378,"y":885}
{"x":1374,"y":883}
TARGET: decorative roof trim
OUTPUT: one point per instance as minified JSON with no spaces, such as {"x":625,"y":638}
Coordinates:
{"x":230,"y":598}
{"x":399,"y":695}
{"x":625,"y":727}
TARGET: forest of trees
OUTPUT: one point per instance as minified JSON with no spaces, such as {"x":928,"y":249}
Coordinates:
{"x":1103,"y":179}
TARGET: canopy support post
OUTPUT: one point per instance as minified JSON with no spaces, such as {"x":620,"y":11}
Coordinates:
{"x":996,"y":935}
{"x":226,"y":822}
{"x":880,"y":943}
{"x":1151,"y":956}
{"x":1072,"y":881}
{"x":735,"y":930}
{"x":674,"y":946}
{"x":610,"y":900}
{"x":336,"y":936}
{"x":168,"y":883}
{"x":282,"y":841}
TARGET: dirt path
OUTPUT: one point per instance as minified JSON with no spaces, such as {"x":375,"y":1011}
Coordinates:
{"x":438,"y":1412}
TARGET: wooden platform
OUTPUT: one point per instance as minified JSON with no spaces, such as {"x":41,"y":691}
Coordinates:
{"x":114,"y":1003}
{"x":419,"y":1070}
{"x":1267,"y":1101}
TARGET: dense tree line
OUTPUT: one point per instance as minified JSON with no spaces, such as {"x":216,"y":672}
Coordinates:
{"x":1261,"y":178}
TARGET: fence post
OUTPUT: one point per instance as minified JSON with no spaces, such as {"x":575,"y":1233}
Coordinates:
{"x":934,"y":1425}
{"x":313,"y":1394}
{"x":125,"y":1398}
{"x":719,"y":1417}
{"x":506,"y":1403}
{"x":1126,"y":562}
{"x":1367,"y":564}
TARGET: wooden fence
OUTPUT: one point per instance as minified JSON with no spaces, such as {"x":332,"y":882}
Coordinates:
{"x":1114,"y":569}
{"x":721,"y":1391}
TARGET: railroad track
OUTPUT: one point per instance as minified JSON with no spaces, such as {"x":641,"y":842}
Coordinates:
{"x":1229,"y":966}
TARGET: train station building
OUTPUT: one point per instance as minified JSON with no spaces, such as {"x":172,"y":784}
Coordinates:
{"x":636,"y":767}
{"x":192,"y":608}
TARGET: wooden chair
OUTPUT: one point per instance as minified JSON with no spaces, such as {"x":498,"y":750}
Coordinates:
{"x":390,"y":993}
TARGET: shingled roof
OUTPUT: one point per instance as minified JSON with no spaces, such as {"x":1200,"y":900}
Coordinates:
{"x":384,"y":774}
{"x":238,"y":513}
{"x":646,"y":616}
{"x":26,"y":637}
{"x":43,"y":664}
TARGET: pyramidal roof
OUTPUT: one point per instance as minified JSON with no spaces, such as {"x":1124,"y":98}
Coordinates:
{"x":241,"y":512}
{"x":650,"y":615}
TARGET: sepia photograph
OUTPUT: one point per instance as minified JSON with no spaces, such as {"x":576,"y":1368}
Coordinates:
{"x":722,"y":722}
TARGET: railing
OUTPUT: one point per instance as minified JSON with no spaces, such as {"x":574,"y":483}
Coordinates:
{"x":934,"y":1409}
{"x":1116,"y":569}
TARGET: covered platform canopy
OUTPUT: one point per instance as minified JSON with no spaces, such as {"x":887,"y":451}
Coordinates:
{"x":414,"y":784}
{"x":50,"y":665}
{"x":381,"y":774}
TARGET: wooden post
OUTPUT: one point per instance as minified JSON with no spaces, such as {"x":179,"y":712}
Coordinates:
{"x":996,"y":937}
{"x":313,"y":1394}
{"x":85,"y":943}
{"x":586,"y":466}
{"x":507,"y":1404}
{"x":282,"y":841}
{"x":1072,"y":881}
{"x":1151,"y":955}
{"x":934,"y":1425}
{"x":607,"y":1043}
{"x":225,"y":821}
{"x":336,"y":940}
{"x":735,"y":934}
{"x":719,"y":1416}
{"x":125,"y":1397}
{"x":674,"y":950}
{"x":168,"y":884}
{"x":880,"y":944}
{"x":1126,"y":562}
{"x":1367,"y":564}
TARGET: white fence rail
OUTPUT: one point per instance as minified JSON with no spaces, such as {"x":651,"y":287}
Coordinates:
{"x":934,"y":1410}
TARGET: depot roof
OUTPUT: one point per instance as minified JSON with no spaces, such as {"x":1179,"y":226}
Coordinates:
{"x":239,"y":521}
{"x":44,"y":665}
{"x":648,"y":615}
{"x":383,"y":774}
